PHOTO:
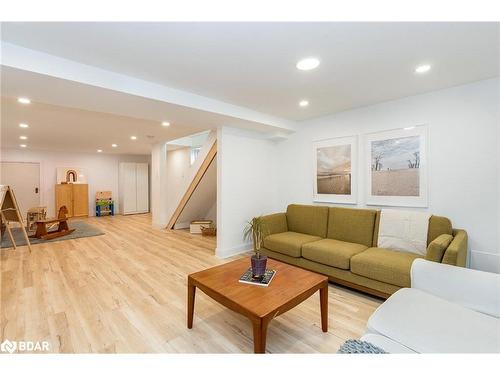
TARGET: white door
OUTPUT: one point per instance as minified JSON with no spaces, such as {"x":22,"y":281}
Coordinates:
{"x":129,"y":188}
{"x":24,"y":179}
{"x":142,"y":187}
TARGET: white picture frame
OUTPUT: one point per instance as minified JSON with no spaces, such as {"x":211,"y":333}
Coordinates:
{"x":335,"y":188}
{"x":388,"y":182}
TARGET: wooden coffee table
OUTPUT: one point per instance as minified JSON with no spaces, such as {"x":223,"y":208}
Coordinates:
{"x":290,"y":286}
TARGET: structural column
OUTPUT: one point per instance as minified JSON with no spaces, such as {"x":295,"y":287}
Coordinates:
{"x":159,"y":189}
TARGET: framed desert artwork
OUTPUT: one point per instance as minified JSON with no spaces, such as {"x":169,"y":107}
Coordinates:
{"x":335,"y":170}
{"x":396,"y":167}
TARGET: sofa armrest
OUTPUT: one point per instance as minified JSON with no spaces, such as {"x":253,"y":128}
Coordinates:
{"x":437,"y":248}
{"x":275,"y":223}
{"x":456,"y":253}
{"x":476,"y":290}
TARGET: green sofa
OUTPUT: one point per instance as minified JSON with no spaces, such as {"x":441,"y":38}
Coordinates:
{"x":342,"y":244}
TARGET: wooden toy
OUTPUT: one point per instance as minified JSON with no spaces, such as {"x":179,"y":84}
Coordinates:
{"x":62,"y":228}
{"x":104,"y":203}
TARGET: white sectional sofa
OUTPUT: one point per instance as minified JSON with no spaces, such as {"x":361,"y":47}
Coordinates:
{"x":448,"y":309}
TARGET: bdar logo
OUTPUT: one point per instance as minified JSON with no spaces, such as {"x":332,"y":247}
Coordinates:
{"x":8,"y":346}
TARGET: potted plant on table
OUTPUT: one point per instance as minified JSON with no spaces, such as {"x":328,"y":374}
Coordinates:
{"x":256,"y":231}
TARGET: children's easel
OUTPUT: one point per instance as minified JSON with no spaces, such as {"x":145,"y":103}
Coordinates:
{"x":9,"y":212}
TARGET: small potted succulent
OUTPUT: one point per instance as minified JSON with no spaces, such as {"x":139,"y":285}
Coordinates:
{"x":256,"y":231}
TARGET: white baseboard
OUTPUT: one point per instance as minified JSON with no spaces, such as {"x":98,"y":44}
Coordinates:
{"x":159,"y":225}
{"x":232,"y":251}
{"x":484,"y":261}
{"x":182,"y":225}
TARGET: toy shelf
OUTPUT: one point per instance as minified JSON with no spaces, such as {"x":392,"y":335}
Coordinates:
{"x":104,"y":204}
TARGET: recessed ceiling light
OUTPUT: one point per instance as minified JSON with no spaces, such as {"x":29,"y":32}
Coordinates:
{"x":133,"y":137}
{"x":114,"y":145}
{"x":165,"y":123}
{"x":99,"y":150}
{"x":304,"y":103}
{"x":23,"y":146}
{"x":22,"y":125}
{"x":422,"y":68}
{"x":24,"y":100}
{"x":23,"y":137}
{"x":308,"y":63}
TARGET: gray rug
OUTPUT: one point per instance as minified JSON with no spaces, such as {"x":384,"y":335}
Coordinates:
{"x":82,"y":229}
{"x":360,"y":347}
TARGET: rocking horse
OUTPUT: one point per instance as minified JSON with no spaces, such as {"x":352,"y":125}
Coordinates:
{"x":62,"y":227}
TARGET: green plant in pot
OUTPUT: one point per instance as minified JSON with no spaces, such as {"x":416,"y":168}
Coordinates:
{"x":256,"y":231}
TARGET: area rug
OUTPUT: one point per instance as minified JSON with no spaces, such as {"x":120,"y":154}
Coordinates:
{"x":82,"y":229}
{"x":360,"y":347}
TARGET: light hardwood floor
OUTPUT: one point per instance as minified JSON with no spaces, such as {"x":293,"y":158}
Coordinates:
{"x":125,"y":292}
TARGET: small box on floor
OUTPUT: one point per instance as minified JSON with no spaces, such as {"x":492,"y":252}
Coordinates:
{"x":195,"y":226}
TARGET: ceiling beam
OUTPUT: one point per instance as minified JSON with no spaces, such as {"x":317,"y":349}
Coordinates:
{"x":42,"y":63}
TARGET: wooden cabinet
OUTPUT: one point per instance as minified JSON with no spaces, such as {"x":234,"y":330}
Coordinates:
{"x":75,"y":197}
{"x":134,"y":188}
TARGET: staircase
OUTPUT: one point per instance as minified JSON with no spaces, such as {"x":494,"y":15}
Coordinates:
{"x":192,"y":180}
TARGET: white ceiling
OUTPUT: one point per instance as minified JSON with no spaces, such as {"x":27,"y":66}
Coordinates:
{"x":249,"y":65}
{"x":66,"y":115}
{"x":65,"y":129}
{"x":253,"y":64}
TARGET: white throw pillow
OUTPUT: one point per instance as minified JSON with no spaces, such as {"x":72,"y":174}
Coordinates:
{"x":404,"y":231}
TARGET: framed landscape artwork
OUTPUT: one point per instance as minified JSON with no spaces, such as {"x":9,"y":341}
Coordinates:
{"x":335,"y":170}
{"x":396,"y":165}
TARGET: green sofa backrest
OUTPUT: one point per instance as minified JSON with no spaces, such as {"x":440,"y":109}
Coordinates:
{"x":351,"y":225}
{"x":305,"y":219}
{"x":438,"y":225}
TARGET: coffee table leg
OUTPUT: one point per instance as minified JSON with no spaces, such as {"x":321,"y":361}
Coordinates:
{"x":323,"y":298}
{"x":190,"y":311}
{"x":260,"y":335}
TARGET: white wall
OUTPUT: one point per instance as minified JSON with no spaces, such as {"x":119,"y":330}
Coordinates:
{"x":178,"y":167}
{"x":102,"y":171}
{"x":464,"y":160}
{"x":246,"y":185}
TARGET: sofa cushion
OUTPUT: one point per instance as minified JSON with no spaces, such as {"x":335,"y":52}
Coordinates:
{"x":288,"y":243}
{"x":274,"y":223}
{"x":312,"y":220}
{"x":437,"y":247}
{"x":332,"y":252}
{"x":351,"y":225}
{"x":438,"y":225}
{"x":389,"y":266}
{"x":429,"y":324}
